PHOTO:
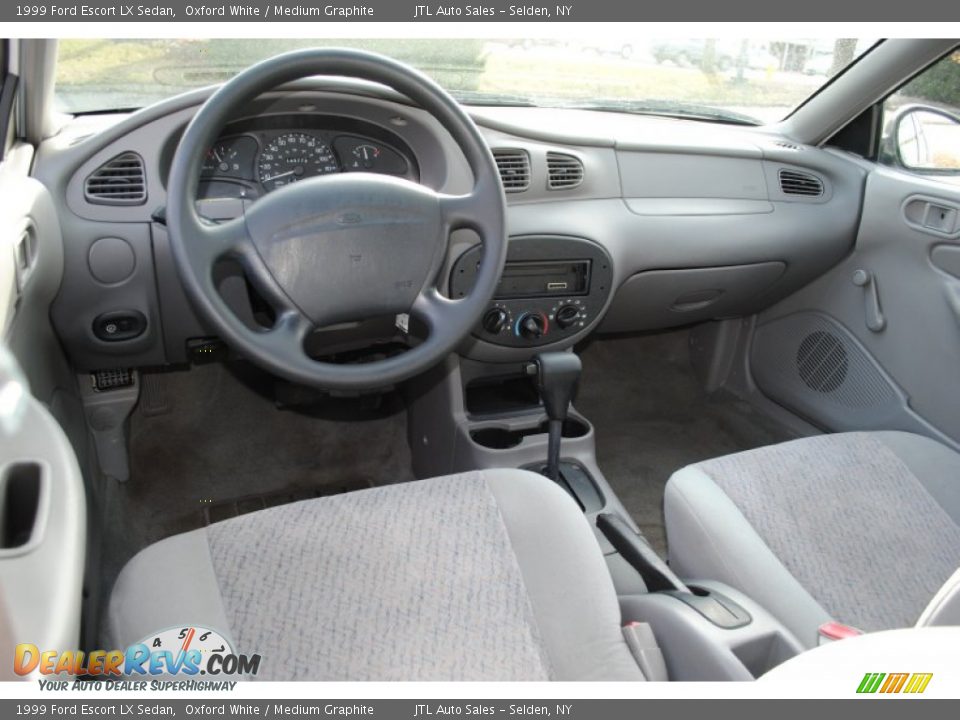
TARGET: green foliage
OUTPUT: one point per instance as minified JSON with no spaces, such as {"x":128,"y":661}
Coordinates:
{"x":938,"y":84}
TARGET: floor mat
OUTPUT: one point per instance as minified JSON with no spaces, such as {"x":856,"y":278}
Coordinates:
{"x":211,"y":441}
{"x":651,"y":417}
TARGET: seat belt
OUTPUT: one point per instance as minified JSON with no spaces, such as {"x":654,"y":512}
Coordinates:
{"x":643,"y":646}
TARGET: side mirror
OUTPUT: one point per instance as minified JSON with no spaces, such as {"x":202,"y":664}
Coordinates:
{"x":927,"y":141}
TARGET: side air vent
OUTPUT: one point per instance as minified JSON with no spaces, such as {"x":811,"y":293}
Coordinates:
{"x":514,"y":166}
{"x":798,"y":183}
{"x":119,"y":181}
{"x":786,"y":145}
{"x":563,"y":171}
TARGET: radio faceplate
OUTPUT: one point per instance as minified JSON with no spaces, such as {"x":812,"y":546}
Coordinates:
{"x":554,"y":278}
{"x":553,"y":287}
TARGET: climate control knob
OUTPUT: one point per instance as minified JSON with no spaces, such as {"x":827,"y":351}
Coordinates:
{"x":532,"y":326}
{"x":567,"y":315}
{"x":495,"y":320}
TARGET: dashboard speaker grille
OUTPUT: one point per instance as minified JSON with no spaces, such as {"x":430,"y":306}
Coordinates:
{"x":119,"y":181}
{"x":799,"y":183}
{"x":514,"y":167}
{"x":563,"y":171}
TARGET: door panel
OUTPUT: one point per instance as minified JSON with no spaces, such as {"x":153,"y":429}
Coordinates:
{"x":43,"y":508}
{"x":897,"y":296}
{"x":42,"y":526}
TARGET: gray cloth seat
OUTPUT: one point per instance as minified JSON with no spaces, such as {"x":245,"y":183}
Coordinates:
{"x":862,"y":528}
{"x":492,"y":575}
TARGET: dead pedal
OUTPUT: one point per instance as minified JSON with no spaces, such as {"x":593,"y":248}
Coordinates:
{"x":154,"y":399}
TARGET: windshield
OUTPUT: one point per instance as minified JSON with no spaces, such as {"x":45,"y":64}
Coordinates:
{"x":748,"y":80}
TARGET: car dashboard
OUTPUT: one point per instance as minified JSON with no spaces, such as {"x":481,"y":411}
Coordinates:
{"x":617,"y":222}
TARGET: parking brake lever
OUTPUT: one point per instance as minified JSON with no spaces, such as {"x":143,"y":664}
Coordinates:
{"x":656,"y":574}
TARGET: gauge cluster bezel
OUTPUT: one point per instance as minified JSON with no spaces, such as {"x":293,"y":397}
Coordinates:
{"x":328,"y":129}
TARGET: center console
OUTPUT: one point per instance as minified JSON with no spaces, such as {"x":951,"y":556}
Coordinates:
{"x":511,"y":406}
{"x":553,"y":289}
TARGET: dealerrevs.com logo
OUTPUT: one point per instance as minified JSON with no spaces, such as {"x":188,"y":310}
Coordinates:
{"x":891,"y":683}
{"x":185,"y":651}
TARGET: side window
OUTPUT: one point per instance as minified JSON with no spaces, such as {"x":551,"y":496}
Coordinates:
{"x":921,"y":123}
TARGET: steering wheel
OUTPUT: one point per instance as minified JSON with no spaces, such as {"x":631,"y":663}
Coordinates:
{"x":341,"y":247}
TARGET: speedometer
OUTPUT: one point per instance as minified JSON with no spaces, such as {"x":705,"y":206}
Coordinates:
{"x":294,"y":156}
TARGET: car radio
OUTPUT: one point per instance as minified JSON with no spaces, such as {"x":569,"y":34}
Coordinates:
{"x":552,"y":288}
{"x":544,"y":279}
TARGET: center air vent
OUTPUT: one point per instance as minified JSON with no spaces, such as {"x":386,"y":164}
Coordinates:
{"x":563,"y":171}
{"x":514,"y":167}
{"x":119,"y":181}
{"x":799,"y":183}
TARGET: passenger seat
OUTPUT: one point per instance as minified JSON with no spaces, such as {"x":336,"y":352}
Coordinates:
{"x":861,"y":528}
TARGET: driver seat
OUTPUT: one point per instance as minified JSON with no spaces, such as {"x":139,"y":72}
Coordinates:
{"x":487,"y":575}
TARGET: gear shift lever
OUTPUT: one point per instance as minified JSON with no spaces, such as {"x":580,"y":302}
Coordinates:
{"x":557,"y":377}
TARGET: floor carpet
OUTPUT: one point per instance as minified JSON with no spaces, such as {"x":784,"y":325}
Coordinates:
{"x":211,"y":442}
{"x":651,"y":417}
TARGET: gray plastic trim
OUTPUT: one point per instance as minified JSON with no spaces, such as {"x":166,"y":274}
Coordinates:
{"x":697,"y":650}
{"x":933,"y":215}
{"x":918,"y":347}
{"x":671,"y":297}
{"x":698,"y":206}
{"x":690,"y":175}
{"x":42,"y":581}
{"x":82,"y":298}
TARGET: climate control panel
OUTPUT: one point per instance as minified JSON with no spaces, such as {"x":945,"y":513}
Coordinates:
{"x":552,"y":288}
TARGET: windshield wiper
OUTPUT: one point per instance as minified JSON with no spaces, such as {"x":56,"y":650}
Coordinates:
{"x":669,"y":108}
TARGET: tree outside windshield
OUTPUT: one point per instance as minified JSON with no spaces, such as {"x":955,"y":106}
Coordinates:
{"x":762,"y":79}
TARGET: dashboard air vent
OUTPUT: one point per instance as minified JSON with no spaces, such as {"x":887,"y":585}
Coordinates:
{"x":563,"y":171}
{"x":119,"y":181}
{"x":786,"y":145}
{"x":514,"y":166}
{"x":799,"y":183}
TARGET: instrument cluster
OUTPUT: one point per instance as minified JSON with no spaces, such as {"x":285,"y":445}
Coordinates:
{"x":258,"y":162}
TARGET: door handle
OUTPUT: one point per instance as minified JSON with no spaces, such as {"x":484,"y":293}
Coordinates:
{"x":875,"y":320}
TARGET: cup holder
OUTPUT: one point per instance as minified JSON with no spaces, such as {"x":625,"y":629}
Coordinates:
{"x":498,"y":438}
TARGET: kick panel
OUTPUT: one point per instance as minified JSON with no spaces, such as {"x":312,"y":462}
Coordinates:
{"x":811,"y":364}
